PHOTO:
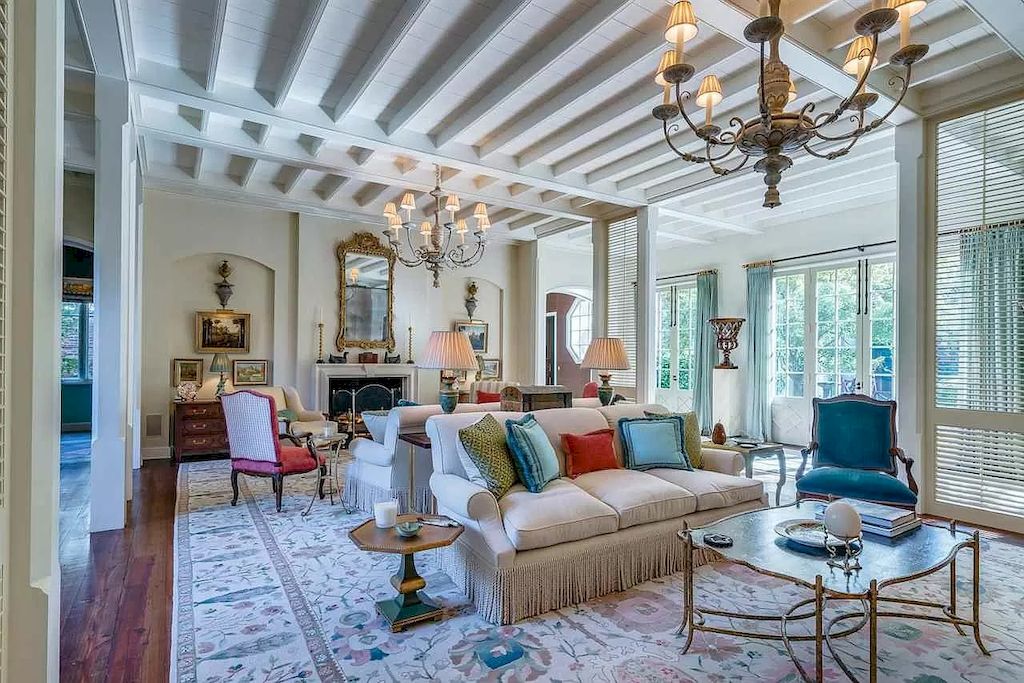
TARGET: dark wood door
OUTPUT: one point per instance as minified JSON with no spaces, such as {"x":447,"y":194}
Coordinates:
{"x":551,"y":349}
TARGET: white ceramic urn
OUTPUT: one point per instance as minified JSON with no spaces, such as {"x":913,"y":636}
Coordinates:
{"x":842,"y":520}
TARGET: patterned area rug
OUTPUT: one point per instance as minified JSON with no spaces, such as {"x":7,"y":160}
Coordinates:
{"x":267,"y":597}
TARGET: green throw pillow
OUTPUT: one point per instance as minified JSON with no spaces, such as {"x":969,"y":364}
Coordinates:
{"x":536,"y":462}
{"x":485,"y":456}
{"x":691,"y":435}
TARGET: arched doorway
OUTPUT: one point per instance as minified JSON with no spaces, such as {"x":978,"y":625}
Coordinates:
{"x":568,"y":318}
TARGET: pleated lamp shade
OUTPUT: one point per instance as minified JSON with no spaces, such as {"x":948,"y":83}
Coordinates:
{"x":220,"y":363}
{"x":448,"y":351}
{"x":606,"y":353}
{"x":857,"y":56}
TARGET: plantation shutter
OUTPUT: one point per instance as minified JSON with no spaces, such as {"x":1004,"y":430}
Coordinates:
{"x":5,"y":44}
{"x":977,"y":424}
{"x":622,"y":246}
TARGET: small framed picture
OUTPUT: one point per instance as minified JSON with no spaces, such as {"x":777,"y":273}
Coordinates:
{"x":477,"y":333}
{"x":186,"y":370}
{"x":491,"y":368}
{"x":226,"y":331}
{"x":249,"y":373}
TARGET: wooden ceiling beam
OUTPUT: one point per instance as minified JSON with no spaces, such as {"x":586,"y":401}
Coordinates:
{"x":220,"y":12}
{"x":299,"y":49}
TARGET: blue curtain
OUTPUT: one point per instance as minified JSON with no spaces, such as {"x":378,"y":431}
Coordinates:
{"x":759,"y":297}
{"x":705,"y":353}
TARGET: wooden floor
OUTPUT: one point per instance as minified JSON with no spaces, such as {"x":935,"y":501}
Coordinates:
{"x":115,"y":606}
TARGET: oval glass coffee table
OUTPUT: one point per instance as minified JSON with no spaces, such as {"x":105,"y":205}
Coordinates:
{"x":884,"y":563}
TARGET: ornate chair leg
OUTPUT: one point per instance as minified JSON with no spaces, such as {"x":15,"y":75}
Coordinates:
{"x":234,"y":487}
{"x":323,"y":478}
{"x":278,"y":489}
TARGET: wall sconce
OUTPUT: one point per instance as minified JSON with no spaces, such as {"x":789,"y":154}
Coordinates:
{"x":726,"y":331}
{"x":224,"y":289}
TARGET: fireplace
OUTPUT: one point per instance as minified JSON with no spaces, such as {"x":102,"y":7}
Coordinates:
{"x":344,"y":390}
{"x":356,"y":394}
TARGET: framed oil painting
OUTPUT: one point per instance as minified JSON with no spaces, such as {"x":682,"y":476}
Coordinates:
{"x":250,"y":373}
{"x":222,"y":331}
{"x":187,"y":370}
{"x":477,"y":333}
{"x":491,"y":368}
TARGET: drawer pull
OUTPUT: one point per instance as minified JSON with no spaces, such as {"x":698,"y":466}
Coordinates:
{"x":199,"y":425}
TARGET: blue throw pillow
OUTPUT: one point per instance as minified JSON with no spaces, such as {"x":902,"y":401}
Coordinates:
{"x":405,"y":403}
{"x":650,"y":442}
{"x":532,"y":452}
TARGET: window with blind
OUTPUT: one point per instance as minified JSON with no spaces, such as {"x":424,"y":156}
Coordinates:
{"x":978,"y":406}
{"x":622,"y":301}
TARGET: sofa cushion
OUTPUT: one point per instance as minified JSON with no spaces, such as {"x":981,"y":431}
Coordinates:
{"x":691,"y":434}
{"x":589,"y":452}
{"x":637,"y":497}
{"x":536,"y":462}
{"x":561,"y":513}
{"x":713,"y":490}
{"x":861,"y":484}
{"x":653,"y":442}
{"x":485,"y":456}
{"x":488,"y":397}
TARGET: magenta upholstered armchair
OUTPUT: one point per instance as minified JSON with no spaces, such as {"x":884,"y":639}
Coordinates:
{"x":255,"y":445}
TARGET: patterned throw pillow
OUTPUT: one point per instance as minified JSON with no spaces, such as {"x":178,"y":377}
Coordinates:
{"x":691,"y":435}
{"x":485,"y":456}
{"x":536,"y":462}
{"x":650,"y":442}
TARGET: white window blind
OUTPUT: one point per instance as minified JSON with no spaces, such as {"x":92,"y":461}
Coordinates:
{"x":5,"y":44}
{"x":622,"y":246}
{"x":979,"y":312}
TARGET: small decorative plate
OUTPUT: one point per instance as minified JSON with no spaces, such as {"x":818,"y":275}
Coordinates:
{"x":747,"y":444}
{"x":805,"y":532}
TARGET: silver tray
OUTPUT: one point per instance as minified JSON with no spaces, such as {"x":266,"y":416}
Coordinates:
{"x":806,"y":532}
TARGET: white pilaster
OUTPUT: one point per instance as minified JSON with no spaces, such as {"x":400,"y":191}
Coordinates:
{"x":646,"y":301}
{"x":31,"y":332}
{"x":599,"y":240}
{"x":115,"y":205}
{"x":531,"y":305}
{"x":910,"y":290}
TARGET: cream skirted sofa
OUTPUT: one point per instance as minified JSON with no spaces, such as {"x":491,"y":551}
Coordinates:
{"x":528,"y":553}
{"x":380,"y":465}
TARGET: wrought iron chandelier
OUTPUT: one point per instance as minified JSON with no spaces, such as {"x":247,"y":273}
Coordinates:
{"x":437,"y":251}
{"x":774,"y":132}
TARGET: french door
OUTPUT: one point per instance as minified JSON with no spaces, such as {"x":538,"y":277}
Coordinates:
{"x":677,"y":330}
{"x":834,"y":332}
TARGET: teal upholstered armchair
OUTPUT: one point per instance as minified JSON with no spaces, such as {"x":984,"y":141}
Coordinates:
{"x":853,"y":453}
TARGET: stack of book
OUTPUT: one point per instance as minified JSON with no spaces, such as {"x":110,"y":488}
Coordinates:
{"x":881,"y":520}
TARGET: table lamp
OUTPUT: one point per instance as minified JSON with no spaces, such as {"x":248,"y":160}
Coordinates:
{"x":448,"y":352}
{"x":221,"y":364}
{"x":604,"y":354}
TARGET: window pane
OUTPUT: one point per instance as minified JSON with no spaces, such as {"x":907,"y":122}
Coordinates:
{"x":70,"y":362}
{"x":90,"y":357}
{"x":664,"y":339}
{"x":686,"y":329}
{"x":836,"y":342}
{"x":787,"y":335}
{"x":882,"y":321}
{"x":577,"y":323}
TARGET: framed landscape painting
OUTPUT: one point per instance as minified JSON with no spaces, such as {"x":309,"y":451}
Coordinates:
{"x":250,"y":373}
{"x":491,"y":368}
{"x":222,"y":331}
{"x":477,"y":333}
{"x":186,"y":370}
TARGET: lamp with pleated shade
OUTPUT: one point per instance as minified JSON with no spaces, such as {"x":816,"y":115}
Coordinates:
{"x":447,"y":352}
{"x":220,"y":363}
{"x":604,"y":354}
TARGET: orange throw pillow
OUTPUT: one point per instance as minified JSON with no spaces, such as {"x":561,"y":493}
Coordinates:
{"x":487,"y":397}
{"x":589,"y":452}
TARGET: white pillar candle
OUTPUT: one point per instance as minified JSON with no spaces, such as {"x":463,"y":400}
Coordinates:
{"x":385,"y":514}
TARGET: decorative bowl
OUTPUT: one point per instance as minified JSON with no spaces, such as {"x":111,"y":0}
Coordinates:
{"x":408,"y":529}
{"x":806,"y":532}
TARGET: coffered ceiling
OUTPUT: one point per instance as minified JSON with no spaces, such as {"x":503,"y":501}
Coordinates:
{"x":538,"y":108}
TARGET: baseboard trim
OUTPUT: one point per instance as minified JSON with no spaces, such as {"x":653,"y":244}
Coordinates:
{"x":156,"y":453}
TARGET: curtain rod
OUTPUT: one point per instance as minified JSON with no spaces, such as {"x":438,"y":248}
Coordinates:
{"x":693,"y":274}
{"x":859,"y":247}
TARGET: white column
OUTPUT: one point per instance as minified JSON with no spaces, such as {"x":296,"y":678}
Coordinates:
{"x":115,"y":204}
{"x":530,"y":338}
{"x":599,"y":310}
{"x":135,"y":368}
{"x":31,"y":385}
{"x":646,"y":301}
{"x":910,"y":292}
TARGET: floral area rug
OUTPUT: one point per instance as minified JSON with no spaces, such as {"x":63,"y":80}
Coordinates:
{"x":267,"y":597}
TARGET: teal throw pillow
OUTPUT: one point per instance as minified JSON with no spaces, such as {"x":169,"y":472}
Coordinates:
{"x":485,"y":456}
{"x":536,"y":462}
{"x":650,"y":442}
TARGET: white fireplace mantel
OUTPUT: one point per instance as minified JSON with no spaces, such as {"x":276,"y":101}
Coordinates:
{"x":323,"y":372}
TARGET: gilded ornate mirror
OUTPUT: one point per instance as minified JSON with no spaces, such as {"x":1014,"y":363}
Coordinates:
{"x":366,"y":293}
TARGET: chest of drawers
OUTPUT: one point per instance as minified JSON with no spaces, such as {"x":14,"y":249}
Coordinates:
{"x":198,"y":428}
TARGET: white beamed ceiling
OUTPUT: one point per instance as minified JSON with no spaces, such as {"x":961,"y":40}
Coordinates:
{"x":538,"y":108}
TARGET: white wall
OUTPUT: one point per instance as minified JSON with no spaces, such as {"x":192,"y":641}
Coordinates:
{"x":876,"y":223}
{"x":285,"y":268}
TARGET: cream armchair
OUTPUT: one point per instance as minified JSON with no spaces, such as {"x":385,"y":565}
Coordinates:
{"x":382,"y":468}
{"x":307,"y":421}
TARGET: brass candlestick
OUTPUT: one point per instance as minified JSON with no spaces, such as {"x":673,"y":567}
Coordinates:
{"x":320,"y":348}
{"x":408,"y":355}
